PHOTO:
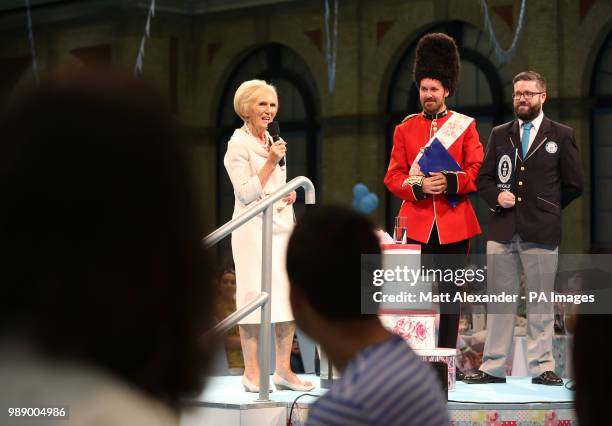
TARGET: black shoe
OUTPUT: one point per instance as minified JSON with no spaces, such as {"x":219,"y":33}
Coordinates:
{"x":459,"y":375}
{"x":548,"y":378}
{"x":480,"y":378}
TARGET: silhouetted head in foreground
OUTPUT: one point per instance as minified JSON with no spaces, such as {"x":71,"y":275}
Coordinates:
{"x":101,"y":258}
{"x":591,"y":344}
{"x":329,"y":279}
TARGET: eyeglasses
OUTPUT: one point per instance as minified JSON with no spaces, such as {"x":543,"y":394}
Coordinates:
{"x":528,"y":95}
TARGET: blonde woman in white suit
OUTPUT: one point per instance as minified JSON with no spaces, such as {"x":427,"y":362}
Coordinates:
{"x":252,"y":163}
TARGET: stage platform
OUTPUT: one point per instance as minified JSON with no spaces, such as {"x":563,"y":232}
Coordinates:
{"x":516,"y":403}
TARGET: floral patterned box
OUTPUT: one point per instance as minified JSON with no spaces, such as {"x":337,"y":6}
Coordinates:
{"x":416,"y":327}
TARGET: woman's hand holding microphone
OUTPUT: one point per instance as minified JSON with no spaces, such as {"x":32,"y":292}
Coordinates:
{"x":277,"y":151}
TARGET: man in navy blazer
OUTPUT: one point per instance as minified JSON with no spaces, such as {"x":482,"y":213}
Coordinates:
{"x":531,"y":171}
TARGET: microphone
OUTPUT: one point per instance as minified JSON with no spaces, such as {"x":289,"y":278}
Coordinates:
{"x":274,"y":131}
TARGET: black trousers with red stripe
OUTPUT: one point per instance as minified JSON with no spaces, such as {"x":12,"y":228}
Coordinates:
{"x":451,"y":256}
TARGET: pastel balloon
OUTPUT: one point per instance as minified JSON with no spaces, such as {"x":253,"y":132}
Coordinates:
{"x":360,"y":191}
{"x":368,"y":204}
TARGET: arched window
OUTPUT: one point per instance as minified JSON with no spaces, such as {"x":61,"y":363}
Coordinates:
{"x":601,"y":150}
{"x":483,"y":93}
{"x":297,"y":116}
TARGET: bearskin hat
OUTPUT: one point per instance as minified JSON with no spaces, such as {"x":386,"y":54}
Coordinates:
{"x":437,"y":57}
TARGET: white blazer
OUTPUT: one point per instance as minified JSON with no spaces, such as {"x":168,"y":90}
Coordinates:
{"x":244,"y":158}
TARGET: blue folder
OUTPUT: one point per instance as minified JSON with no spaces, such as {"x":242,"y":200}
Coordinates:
{"x":436,"y":158}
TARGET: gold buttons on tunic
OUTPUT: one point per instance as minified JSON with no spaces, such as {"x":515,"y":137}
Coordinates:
{"x":522,"y":168}
{"x":519,"y":199}
{"x":520,"y":183}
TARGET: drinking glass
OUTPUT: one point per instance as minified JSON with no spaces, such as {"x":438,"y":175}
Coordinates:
{"x":400,"y":232}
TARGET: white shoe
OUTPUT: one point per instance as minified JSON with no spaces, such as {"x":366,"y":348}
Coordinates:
{"x":250,"y":387}
{"x":282,"y":384}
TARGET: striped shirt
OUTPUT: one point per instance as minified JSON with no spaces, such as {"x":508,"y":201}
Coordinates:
{"x":385,"y":384}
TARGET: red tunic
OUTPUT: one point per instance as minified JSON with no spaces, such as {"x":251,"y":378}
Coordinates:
{"x":454,"y":224}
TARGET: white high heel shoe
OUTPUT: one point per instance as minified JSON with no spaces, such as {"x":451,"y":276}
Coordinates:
{"x":282,"y":384}
{"x":250,"y":386}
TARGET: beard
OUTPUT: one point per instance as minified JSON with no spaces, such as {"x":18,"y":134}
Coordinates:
{"x":433,"y":107}
{"x":532,"y":111}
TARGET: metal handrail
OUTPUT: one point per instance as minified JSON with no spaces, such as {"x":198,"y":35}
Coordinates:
{"x":265,"y":206}
{"x":259,"y":206}
{"x":235,"y":317}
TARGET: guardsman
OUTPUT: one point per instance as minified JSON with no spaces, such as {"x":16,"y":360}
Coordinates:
{"x":440,"y":216}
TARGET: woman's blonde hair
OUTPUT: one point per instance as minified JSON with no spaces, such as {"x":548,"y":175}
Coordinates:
{"x":246,"y":93}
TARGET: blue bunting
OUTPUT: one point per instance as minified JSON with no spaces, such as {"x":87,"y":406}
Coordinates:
{"x":331,"y":45}
{"x":147,"y":33}
{"x":503,"y":56}
{"x":31,"y":37}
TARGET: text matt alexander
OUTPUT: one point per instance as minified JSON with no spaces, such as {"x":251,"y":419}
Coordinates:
{"x":460,"y":277}
{"x":463,"y":297}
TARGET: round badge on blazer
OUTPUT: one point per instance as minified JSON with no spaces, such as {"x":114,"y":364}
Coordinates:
{"x":504,"y":168}
{"x":551,"y":147}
